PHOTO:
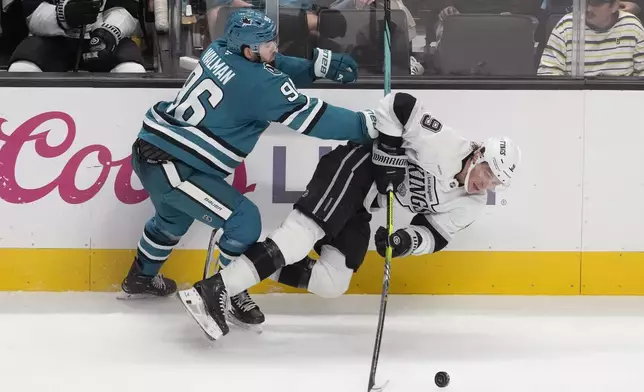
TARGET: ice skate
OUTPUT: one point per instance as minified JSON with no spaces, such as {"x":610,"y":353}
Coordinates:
{"x":139,"y":286}
{"x":207,"y":303}
{"x":245,"y":313}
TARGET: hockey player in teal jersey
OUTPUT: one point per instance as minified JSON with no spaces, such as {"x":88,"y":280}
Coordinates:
{"x":188,"y":147}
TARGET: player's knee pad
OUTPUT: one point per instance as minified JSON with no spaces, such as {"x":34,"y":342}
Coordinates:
{"x":330,"y":277}
{"x":265,"y":256}
{"x":24,"y":66}
{"x":128,"y":67}
{"x":296,"y":236}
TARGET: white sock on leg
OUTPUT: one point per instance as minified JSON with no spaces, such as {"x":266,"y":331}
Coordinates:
{"x":239,"y":276}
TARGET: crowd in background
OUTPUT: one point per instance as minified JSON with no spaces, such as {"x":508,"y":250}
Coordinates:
{"x":429,"y":37}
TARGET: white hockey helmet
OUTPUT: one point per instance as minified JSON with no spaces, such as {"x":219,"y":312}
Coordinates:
{"x":502,"y":156}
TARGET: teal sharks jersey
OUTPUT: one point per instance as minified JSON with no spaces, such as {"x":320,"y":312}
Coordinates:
{"x":227,"y":102}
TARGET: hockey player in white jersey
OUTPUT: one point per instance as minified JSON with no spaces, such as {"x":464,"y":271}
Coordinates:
{"x":438,"y":175}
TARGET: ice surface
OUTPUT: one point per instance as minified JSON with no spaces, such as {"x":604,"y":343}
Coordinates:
{"x":92,"y":342}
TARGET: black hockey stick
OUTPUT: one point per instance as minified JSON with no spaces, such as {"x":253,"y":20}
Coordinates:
{"x":79,"y":53}
{"x":383,"y":297}
{"x":390,"y":224}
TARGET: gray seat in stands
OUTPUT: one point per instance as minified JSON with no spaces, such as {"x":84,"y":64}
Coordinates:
{"x":482,"y":44}
{"x":551,"y":22}
{"x":364,"y":38}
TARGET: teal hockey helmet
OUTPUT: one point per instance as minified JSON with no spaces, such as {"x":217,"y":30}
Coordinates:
{"x":249,"y":27}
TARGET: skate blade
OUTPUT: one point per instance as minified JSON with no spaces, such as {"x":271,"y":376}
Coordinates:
{"x":193,"y":303}
{"x":257,"y":328}
{"x":379,"y":388}
{"x":122,"y":295}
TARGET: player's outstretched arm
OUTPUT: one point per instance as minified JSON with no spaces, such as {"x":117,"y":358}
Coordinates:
{"x":338,"y":67}
{"x":282,"y":102}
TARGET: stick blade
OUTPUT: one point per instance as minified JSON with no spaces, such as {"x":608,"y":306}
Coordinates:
{"x":379,"y":388}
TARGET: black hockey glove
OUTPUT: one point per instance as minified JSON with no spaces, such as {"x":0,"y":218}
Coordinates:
{"x":100,"y":56}
{"x":401,"y":242}
{"x":390,"y":166}
{"x":72,"y":14}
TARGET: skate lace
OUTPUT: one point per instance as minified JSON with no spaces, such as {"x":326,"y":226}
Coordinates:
{"x":244,"y":302}
{"x":223,"y":302}
{"x":158,"y":282}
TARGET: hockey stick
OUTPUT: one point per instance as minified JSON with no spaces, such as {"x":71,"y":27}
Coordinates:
{"x":383,"y":297}
{"x":209,"y":255}
{"x":390,"y":224}
{"x":81,"y":38}
{"x":213,"y":264}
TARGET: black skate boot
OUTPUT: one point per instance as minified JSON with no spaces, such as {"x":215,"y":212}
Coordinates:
{"x":137,"y":286}
{"x":244,"y":312}
{"x":207,"y":303}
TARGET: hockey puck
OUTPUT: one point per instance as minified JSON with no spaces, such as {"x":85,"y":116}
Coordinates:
{"x":441,"y":379}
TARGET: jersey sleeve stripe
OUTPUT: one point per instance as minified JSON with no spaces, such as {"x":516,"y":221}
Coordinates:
{"x":167,"y":120}
{"x":296,"y":109}
{"x":311,"y":116}
{"x":317,"y":117}
{"x":295,"y":113}
{"x":439,"y":238}
{"x":185,"y":144}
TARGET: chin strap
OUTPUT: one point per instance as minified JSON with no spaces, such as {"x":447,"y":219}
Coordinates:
{"x":467,"y":175}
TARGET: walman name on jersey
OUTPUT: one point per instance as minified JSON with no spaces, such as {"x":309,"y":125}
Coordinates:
{"x":217,"y":66}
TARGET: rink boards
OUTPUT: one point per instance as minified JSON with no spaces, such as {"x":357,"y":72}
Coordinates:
{"x":72,"y":212}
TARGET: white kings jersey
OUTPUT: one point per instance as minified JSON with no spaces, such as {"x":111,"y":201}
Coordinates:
{"x":436,"y":155}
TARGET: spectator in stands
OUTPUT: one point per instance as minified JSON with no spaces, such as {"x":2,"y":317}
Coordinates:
{"x":632,"y":7}
{"x":415,"y":67}
{"x":614,"y":43}
{"x":54,"y":43}
{"x":564,"y":6}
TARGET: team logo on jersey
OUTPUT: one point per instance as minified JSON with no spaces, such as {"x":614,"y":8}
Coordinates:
{"x":430,"y":123}
{"x":402,"y":190}
{"x":272,"y":69}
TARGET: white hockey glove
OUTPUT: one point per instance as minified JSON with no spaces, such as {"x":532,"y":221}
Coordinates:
{"x":337,"y":67}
